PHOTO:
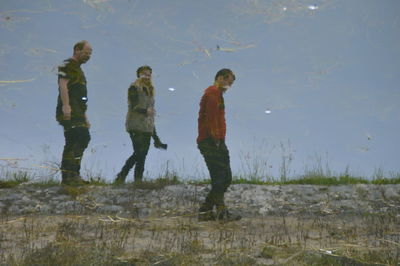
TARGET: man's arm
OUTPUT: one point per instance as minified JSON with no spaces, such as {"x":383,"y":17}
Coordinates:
{"x":211,"y":116}
{"x":66,"y":108}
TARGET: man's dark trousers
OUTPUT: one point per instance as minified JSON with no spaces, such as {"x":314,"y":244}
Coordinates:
{"x":141,"y":145}
{"x":76,"y":141}
{"x":217,"y":161}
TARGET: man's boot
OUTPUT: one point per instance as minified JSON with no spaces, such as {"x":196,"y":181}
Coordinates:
{"x":72,"y":179}
{"x":224,"y":215}
{"x":206,"y":213}
{"x":205,"y":216}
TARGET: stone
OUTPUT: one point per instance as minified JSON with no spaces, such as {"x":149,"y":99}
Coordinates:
{"x":391,"y":193}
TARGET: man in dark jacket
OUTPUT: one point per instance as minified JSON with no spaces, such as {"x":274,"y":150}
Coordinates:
{"x":71,"y":112}
{"x":211,"y":143}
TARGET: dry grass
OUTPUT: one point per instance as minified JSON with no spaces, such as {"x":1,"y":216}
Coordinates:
{"x":181,"y":240}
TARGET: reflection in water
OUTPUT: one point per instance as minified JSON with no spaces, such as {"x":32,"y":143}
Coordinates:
{"x":336,"y":65}
{"x":16,"y":81}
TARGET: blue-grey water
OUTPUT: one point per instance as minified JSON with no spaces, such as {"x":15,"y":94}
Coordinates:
{"x":317,"y":82}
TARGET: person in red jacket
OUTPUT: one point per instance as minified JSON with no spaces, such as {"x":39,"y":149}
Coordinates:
{"x":211,"y":143}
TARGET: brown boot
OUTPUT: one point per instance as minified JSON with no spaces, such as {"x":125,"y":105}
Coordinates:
{"x":206,"y":213}
{"x":73,"y":179}
{"x":223,"y":215}
{"x":206,"y":216}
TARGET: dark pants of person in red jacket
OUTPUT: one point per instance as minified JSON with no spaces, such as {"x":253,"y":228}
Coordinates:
{"x":217,"y":161}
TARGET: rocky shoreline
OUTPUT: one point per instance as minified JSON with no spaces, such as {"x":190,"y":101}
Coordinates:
{"x":250,"y":200}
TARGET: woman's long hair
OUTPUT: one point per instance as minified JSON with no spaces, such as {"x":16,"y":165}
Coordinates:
{"x":145,"y":85}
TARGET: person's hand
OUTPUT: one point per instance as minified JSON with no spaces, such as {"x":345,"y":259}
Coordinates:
{"x":159,"y":145}
{"x":87,"y":122}
{"x":66,"y":109}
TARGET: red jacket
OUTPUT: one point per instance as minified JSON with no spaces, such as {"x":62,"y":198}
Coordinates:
{"x":211,"y":122}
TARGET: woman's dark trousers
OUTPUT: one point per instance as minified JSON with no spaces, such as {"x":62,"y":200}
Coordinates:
{"x":141,"y":144}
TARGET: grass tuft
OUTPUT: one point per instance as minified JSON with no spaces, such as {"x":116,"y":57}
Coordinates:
{"x":158,"y":183}
{"x":386,"y":181}
{"x":10,"y":179}
{"x":13,"y":178}
{"x":327,"y":181}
